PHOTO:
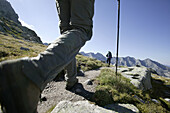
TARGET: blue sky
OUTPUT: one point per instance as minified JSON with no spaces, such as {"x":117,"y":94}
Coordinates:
{"x":144,"y":27}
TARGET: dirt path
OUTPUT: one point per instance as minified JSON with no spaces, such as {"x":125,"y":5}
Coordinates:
{"x":55,"y":91}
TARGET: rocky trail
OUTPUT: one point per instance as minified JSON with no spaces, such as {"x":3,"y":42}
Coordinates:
{"x":56,"y":92}
{"x":57,"y":99}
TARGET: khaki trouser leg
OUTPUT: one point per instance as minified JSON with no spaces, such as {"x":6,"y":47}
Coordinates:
{"x":71,"y":73}
{"x":57,"y":56}
{"x":63,"y":9}
{"x":45,"y":67}
{"x":82,"y":12}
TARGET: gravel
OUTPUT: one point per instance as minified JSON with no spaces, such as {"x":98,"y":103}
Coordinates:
{"x":56,"y":92}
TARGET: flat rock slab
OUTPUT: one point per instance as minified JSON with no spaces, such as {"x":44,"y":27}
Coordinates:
{"x":139,"y":76}
{"x":86,"y":107}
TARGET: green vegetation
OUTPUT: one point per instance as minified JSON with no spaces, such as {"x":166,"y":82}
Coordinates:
{"x":159,"y":87}
{"x":87,"y":63}
{"x":10,"y":48}
{"x":165,"y":103}
{"x":11,"y":27}
{"x":165,"y":81}
{"x":119,"y":90}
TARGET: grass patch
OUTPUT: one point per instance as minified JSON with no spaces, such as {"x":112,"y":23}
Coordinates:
{"x":120,"y":90}
{"x":165,"y":103}
{"x":164,"y":80}
{"x":10,"y":48}
{"x":87,"y":63}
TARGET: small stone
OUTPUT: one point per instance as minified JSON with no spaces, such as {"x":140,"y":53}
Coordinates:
{"x":154,"y":100}
{"x":25,"y":49}
{"x":20,"y":42}
{"x":15,"y":36}
{"x":138,"y":66}
{"x":142,"y":101}
{"x":80,"y":73}
{"x":167,"y":99}
{"x":43,"y":99}
{"x":88,"y":82}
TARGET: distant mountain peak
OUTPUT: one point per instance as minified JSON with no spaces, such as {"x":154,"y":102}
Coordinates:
{"x":161,"y":69}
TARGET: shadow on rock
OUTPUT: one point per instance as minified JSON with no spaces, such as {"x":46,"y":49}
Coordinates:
{"x":79,"y":90}
{"x":122,"y":108}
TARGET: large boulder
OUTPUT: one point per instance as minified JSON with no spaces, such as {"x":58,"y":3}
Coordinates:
{"x":139,"y":76}
{"x":86,"y":107}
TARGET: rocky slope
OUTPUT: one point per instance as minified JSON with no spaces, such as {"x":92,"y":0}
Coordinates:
{"x":9,"y":24}
{"x":7,"y":11}
{"x":128,"y":61}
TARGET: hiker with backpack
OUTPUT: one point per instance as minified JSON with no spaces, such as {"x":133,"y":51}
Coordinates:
{"x":109,"y":57}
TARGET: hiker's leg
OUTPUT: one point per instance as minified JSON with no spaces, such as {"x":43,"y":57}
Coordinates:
{"x":58,"y":55}
{"x":63,"y":9}
{"x":71,"y":73}
{"x":35,"y":73}
{"x":82,"y":20}
{"x":82,"y":12}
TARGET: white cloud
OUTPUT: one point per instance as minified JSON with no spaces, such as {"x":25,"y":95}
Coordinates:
{"x":26,"y":25}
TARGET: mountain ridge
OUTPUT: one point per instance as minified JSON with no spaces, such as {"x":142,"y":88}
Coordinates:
{"x":128,"y":61}
{"x":10,"y":24}
{"x":7,"y":11}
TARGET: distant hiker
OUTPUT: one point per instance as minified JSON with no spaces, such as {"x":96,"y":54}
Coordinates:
{"x":109,"y":57}
{"x":22,"y":80}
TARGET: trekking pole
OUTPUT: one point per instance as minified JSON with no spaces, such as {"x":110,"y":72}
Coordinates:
{"x":118,"y":36}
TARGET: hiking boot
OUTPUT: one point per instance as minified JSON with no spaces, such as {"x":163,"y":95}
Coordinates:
{"x":77,"y":88}
{"x":70,"y":85}
{"x":17,"y":93}
{"x":80,"y":73}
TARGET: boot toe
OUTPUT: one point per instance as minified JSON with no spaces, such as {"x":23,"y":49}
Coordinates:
{"x":17,"y":92}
